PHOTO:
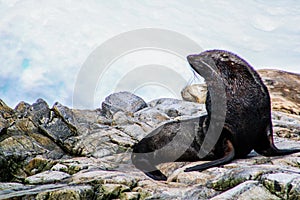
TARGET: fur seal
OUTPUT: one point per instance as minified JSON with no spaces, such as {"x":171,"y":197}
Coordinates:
{"x":247,"y":125}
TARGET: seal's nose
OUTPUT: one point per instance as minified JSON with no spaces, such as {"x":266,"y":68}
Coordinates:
{"x":191,"y":58}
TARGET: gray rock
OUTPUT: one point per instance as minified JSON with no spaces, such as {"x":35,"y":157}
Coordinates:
{"x":152,"y":116}
{"x":5,"y":168}
{"x":19,"y":191}
{"x":38,"y":165}
{"x":122,"y":101}
{"x":59,"y":167}
{"x":281,"y":183}
{"x":294,"y":189}
{"x":173,"y":191}
{"x":286,"y":125}
{"x":112,"y":191}
{"x":249,"y":190}
{"x":16,"y":151}
{"x":66,"y":115}
{"x":22,"y":140}
{"x":103,"y":176}
{"x":130,"y":196}
{"x":136,"y":131}
{"x":232,"y":177}
{"x":4,"y":124}
{"x":102,"y":142}
{"x":47,"y":177}
{"x":47,"y":191}
{"x":40,"y":112}
{"x":120,"y":118}
{"x":5,"y":111}
{"x":175,"y":108}
{"x":6,"y":117}
{"x":59,"y":132}
{"x":22,"y":109}
{"x":12,"y":186}
{"x":69,"y":192}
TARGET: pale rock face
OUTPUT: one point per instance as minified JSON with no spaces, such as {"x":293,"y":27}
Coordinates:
{"x":195,"y":93}
{"x":284,"y":88}
{"x":63,"y":153}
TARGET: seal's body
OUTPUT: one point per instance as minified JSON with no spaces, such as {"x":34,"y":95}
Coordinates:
{"x":247,"y":123}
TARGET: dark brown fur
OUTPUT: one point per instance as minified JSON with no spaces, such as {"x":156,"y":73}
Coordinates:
{"x":247,"y":124}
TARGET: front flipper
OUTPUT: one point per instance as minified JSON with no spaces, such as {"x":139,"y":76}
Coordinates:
{"x":228,"y":156}
{"x":166,"y":143}
{"x":145,"y":164}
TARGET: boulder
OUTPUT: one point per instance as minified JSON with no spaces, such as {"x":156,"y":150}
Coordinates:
{"x":122,"y":101}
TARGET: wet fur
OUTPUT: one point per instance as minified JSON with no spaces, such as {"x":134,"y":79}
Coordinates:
{"x":247,"y":125}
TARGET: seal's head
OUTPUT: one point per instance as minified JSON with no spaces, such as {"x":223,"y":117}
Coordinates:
{"x":220,"y":63}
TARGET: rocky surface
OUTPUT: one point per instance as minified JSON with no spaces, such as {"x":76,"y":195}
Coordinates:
{"x":284,"y":89}
{"x":62,"y":153}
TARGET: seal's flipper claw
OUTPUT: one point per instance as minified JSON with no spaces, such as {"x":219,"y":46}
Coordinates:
{"x":148,"y":168}
{"x":156,"y":175}
{"x":229,"y":156}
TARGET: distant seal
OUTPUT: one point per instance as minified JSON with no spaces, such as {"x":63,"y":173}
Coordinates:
{"x":247,"y":126}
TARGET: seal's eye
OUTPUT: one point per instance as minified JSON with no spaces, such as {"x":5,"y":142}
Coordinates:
{"x":224,"y":57}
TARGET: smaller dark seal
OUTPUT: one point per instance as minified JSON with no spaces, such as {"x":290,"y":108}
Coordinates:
{"x":247,"y":123}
